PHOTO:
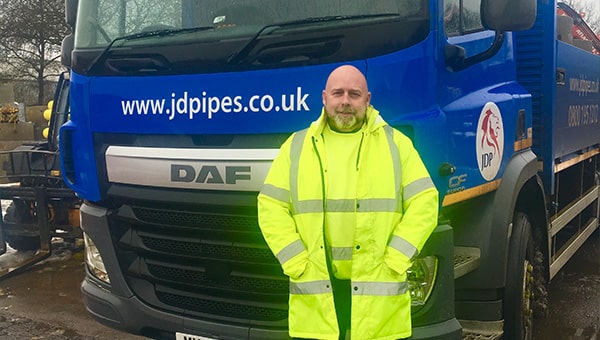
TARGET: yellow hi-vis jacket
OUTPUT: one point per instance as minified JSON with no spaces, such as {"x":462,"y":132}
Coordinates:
{"x":396,"y":208}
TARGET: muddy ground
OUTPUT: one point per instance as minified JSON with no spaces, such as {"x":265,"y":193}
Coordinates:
{"x":574,"y":295}
{"x":45,"y":302}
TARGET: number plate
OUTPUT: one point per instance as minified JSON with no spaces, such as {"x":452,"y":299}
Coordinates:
{"x":184,"y":336}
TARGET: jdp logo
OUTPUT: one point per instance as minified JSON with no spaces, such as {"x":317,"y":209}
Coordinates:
{"x":490,"y":141}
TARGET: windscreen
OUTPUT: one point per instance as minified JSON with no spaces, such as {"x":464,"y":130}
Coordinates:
{"x":101,"y":21}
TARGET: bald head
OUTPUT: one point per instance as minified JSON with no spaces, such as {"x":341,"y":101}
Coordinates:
{"x":349,"y":75}
{"x":346,"y":98}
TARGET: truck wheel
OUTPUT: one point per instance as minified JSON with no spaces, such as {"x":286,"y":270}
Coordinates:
{"x":18,"y":212}
{"x":518,"y":294}
{"x":23,"y":243}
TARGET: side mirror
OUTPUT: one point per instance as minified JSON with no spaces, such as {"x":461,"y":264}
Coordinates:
{"x":499,"y":16}
{"x":71,"y":12}
{"x":66,"y":48}
{"x":508,"y":15}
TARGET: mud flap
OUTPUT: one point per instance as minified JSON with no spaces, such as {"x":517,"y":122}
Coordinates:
{"x":45,"y":249}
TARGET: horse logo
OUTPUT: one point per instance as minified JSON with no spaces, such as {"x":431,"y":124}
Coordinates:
{"x":491,"y":129}
{"x":490,"y":141}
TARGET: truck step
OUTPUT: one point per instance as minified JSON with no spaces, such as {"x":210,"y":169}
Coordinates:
{"x":466,"y":260}
{"x":481,"y":330}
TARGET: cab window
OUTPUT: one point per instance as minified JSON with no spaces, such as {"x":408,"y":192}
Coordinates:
{"x":462,"y":17}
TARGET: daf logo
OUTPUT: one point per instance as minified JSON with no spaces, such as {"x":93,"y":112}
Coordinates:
{"x":209,"y":174}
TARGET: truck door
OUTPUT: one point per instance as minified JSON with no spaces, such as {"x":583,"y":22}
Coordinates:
{"x":477,"y":100}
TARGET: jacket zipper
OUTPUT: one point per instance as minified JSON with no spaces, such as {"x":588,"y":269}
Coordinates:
{"x":314,"y":143}
{"x":329,"y":266}
{"x":362,"y":137}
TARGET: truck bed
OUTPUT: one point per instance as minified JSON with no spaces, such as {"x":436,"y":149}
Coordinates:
{"x":563,"y":81}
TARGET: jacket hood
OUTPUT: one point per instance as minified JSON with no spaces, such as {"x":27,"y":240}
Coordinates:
{"x":374,"y":121}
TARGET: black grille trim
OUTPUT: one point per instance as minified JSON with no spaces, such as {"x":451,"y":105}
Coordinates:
{"x":195,"y":219}
{"x":204,"y":250}
{"x":225,"y":309}
{"x":237,"y":282}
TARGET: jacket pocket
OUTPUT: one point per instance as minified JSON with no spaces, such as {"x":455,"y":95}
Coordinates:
{"x":296,"y":266}
{"x":397,"y":264}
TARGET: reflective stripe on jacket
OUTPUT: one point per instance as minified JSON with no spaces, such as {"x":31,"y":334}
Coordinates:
{"x":396,"y":209}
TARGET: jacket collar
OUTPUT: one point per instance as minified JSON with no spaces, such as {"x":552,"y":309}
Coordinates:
{"x":374,"y":122}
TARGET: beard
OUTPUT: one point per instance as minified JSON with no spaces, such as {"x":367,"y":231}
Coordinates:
{"x":344,"y":123}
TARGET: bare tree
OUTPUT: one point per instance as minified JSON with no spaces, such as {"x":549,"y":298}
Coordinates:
{"x":31,"y":32}
{"x":589,"y":11}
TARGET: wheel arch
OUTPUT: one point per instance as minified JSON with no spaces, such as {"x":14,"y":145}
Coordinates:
{"x":519,"y":183}
{"x":532,"y":202}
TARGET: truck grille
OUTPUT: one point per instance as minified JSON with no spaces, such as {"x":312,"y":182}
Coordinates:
{"x":231,"y":309}
{"x":202,"y":261}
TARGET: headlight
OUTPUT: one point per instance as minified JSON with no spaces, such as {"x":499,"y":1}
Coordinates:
{"x":421,"y":279}
{"x":93,"y":259}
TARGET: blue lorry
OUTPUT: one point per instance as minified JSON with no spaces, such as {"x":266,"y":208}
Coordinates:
{"x":178,"y":108}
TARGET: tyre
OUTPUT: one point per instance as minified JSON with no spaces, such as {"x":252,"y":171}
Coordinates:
{"x":23,"y":243}
{"x":19,"y":212}
{"x":2,"y":243}
{"x":518,"y":294}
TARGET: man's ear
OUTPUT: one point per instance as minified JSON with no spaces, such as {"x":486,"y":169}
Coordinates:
{"x":323,"y":97}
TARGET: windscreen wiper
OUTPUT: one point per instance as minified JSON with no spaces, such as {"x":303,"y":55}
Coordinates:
{"x":101,"y":58}
{"x":249,"y":45}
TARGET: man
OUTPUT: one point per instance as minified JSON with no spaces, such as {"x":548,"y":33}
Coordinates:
{"x":345,"y":207}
